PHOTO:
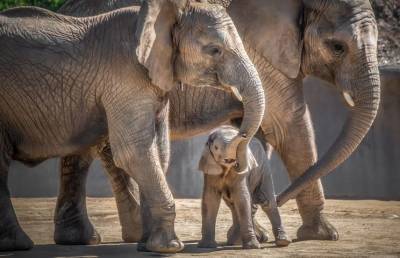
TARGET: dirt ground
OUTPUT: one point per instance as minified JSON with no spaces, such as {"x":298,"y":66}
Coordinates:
{"x":367,"y":228}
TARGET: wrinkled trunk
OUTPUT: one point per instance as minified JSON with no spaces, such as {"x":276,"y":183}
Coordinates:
{"x":365,"y":103}
{"x":244,"y":78}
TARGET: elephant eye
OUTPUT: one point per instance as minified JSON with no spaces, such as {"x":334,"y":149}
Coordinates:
{"x":337,"y":48}
{"x":212,"y":50}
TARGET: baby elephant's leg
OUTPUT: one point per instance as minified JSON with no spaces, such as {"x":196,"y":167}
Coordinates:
{"x":269,"y":206}
{"x":242,"y":203}
{"x":261,"y":232}
{"x":209,"y":209}
{"x":233,"y":235}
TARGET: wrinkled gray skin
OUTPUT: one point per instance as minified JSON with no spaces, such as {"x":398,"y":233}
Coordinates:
{"x":288,"y":40}
{"x":241,"y":192}
{"x":66,"y":83}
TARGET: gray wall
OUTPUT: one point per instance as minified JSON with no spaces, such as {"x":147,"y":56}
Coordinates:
{"x":373,"y":171}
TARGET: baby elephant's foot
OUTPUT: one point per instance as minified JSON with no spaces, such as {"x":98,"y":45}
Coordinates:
{"x":261,"y":233}
{"x":14,"y":239}
{"x":252,"y":244}
{"x":206,"y":243}
{"x":164,"y":241}
{"x":281,"y":238}
{"x":79,"y":232}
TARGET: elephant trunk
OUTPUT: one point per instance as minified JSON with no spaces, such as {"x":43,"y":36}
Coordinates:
{"x":364,"y":106}
{"x":253,"y":99}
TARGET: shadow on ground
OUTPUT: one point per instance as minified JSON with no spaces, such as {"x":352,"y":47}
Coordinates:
{"x":118,"y":250}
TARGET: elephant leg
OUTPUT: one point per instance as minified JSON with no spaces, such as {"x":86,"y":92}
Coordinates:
{"x":134,"y":147}
{"x":72,"y":224}
{"x":163,"y":144}
{"x":261,"y":232}
{"x":127,"y":196}
{"x":298,"y":151}
{"x":210,"y":202}
{"x":242,"y":204}
{"x":233,"y":235}
{"x":12,"y":237}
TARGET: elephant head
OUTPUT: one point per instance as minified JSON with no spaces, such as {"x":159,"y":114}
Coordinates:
{"x":196,"y":43}
{"x":339,"y":45}
{"x":216,"y":158}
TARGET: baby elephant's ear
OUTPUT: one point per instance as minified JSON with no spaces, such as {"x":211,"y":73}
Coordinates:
{"x":208,"y":165}
{"x":155,"y":49}
{"x":251,"y":162}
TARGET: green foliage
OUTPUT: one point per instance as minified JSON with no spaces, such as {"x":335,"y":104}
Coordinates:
{"x":48,"y":4}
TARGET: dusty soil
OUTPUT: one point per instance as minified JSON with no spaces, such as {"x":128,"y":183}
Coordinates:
{"x":367,"y":228}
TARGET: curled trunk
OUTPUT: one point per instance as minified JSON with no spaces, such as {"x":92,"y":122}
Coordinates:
{"x":253,"y":99}
{"x":362,"y":114}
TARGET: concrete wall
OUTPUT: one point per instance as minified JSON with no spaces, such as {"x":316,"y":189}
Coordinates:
{"x":373,"y":171}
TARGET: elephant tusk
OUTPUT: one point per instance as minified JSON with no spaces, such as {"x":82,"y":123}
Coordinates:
{"x":348,"y":98}
{"x":237,"y":94}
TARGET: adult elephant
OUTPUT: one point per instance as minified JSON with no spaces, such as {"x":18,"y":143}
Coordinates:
{"x":287,"y":40}
{"x":66,"y":83}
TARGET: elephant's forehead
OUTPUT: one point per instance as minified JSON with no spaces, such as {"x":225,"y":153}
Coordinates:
{"x":205,"y":15}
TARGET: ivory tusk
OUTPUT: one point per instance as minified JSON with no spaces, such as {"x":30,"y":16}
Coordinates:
{"x":348,"y":98}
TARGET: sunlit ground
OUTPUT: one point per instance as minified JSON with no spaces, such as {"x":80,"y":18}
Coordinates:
{"x":367,"y":228}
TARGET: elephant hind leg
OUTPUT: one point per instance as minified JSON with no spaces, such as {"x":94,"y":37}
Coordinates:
{"x":72,"y":224}
{"x":12,"y":237}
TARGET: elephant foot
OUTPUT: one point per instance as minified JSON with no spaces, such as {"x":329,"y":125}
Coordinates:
{"x":319,"y":229}
{"x":77,"y":233}
{"x":131,"y":236}
{"x":130,"y":220}
{"x":252,"y":244}
{"x":281,"y":238}
{"x":164,"y":241}
{"x":233,"y":236}
{"x":206,"y":243}
{"x":261,"y":233}
{"x":15,"y":239}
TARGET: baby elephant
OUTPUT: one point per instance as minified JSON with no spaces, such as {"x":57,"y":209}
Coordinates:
{"x":242,"y":192}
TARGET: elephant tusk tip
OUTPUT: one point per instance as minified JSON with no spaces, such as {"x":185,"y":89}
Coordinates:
{"x":349,"y":99}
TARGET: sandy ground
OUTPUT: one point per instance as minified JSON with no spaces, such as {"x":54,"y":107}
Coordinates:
{"x":367,"y":228}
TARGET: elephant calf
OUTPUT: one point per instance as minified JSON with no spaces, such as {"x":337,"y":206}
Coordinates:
{"x":242,"y":192}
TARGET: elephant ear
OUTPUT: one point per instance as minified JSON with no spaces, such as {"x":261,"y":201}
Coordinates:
{"x":274,"y":30}
{"x":207,"y":163}
{"x":251,"y":162}
{"x":155,"y":49}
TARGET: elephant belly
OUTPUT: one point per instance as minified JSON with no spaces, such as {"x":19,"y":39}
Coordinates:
{"x":49,"y":134}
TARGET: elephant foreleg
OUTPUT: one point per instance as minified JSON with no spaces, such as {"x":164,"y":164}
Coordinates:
{"x":12,"y":237}
{"x":298,"y":151}
{"x":163,"y":144}
{"x":72,"y":224}
{"x":127,"y":197}
{"x":134,"y":147}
